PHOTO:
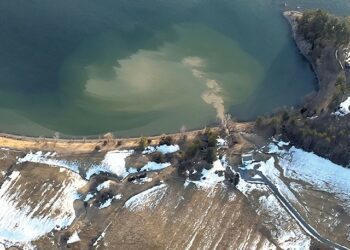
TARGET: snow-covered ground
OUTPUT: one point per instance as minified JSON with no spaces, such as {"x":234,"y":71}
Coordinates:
{"x":164,"y":149}
{"x":343,"y":108}
{"x":89,"y":196}
{"x":21,"y":223}
{"x":297,"y":164}
{"x":73,"y":238}
{"x":210,"y":178}
{"x":321,"y":173}
{"x":113,"y":162}
{"x":142,"y":180}
{"x":149,"y":198}
{"x":48,"y":159}
{"x":104,"y":185}
{"x":347,"y":56}
{"x":277,"y":146}
{"x":273,"y":174}
{"x":303,"y":170}
{"x":153,"y":166}
{"x":220,"y":142}
{"x":108,"y":202}
{"x":248,"y":188}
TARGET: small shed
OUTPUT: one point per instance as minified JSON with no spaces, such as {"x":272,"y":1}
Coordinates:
{"x":247,"y":159}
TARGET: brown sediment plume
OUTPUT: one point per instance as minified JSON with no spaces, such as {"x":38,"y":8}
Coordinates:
{"x":213,"y":95}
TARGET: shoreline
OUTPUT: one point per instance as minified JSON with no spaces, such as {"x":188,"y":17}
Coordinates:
{"x":80,"y":146}
{"x":301,"y":44}
{"x":106,"y":143}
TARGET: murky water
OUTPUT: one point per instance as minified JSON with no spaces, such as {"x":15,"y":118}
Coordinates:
{"x":146,"y":67}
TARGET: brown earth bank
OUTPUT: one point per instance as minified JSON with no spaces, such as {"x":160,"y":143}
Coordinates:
{"x":81,"y":146}
{"x":106,"y":143}
{"x":313,"y":125}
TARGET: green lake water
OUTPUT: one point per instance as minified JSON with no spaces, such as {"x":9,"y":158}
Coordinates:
{"x":84,"y":68}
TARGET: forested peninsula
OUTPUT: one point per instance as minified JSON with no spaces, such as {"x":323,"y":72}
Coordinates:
{"x":321,"y":124}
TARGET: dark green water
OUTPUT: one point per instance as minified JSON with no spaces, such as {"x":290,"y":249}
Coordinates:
{"x":146,"y":67}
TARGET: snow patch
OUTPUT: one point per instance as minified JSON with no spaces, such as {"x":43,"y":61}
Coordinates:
{"x":164,"y":149}
{"x":104,"y":185}
{"x":312,"y":117}
{"x":247,"y":188}
{"x":347,"y":56}
{"x":88,"y":197}
{"x":73,"y":238}
{"x":282,"y":143}
{"x":277,"y":146}
{"x":142,"y":180}
{"x":273,"y":148}
{"x":149,"y":198}
{"x":113,"y":162}
{"x":210,"y":178}
{"x":343,"y":108}
{"x":221,"y":142}
{"x":153,"y":166}
{"x":108,"y":202}
{"x":40,"y":157}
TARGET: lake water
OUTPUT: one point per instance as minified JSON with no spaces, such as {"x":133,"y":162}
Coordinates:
{"x":146,"y":67}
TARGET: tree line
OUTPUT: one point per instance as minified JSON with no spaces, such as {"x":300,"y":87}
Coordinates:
{"x":322,"y":29}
